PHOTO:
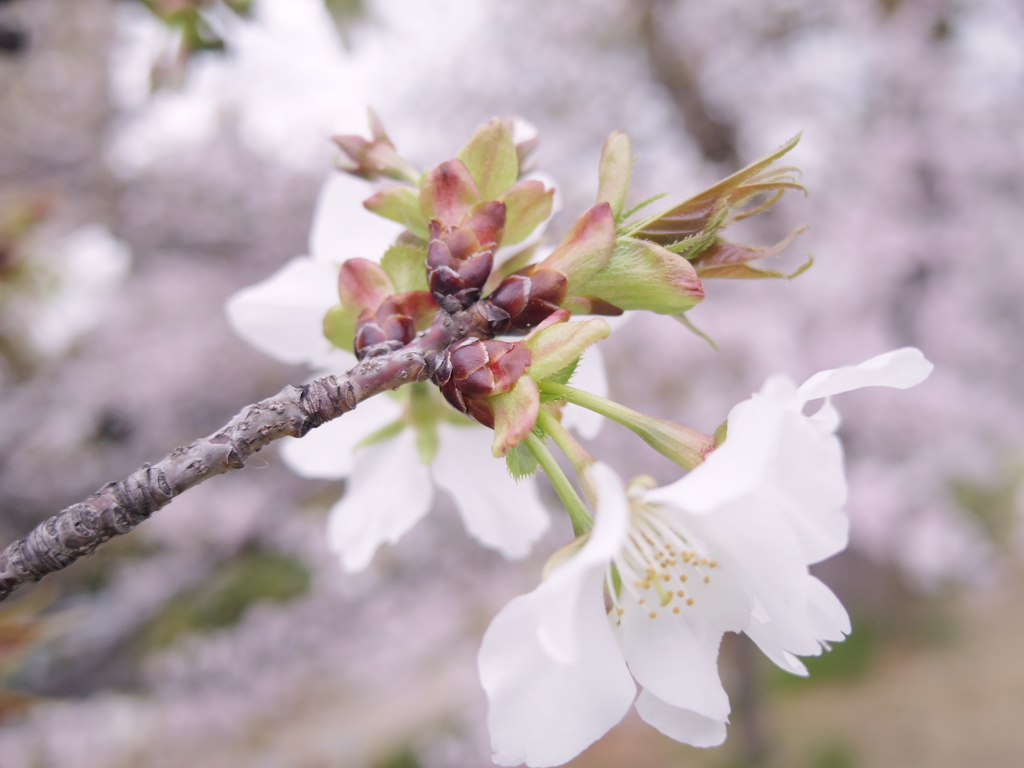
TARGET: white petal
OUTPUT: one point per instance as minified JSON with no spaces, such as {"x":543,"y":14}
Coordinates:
{"x":828,"y":616}
{"x":523,"y":130}
{"x":496,"y":510}
{"x":674,"y":660}
{"x":544,"y":712}
{"x":773,"y":452}
{"x":807,"y":479}
{"x":680,"y":724}
{"x":283,"y":315}
{"x":343,"y":228}
{"x":590,"y":376}
{"x":901,"y":368}
{"x":329,"y":450}
{"x":754,"y":542}
{"x":559,"y":630}
{"x":733,"y":469}
{"x":389,"y":492}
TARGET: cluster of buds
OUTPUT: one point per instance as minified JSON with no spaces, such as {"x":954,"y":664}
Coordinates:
{"x":460,"y":258}
{"x":463,"y":214}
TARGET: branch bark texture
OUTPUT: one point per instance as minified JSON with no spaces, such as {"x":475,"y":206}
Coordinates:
{"x":118,"y":507}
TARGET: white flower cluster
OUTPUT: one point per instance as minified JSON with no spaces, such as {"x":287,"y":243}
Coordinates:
{"x":667,"y":571}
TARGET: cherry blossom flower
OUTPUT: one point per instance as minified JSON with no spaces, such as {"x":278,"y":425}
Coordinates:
{"x":393,"y":448}
{"x":647,"y":595}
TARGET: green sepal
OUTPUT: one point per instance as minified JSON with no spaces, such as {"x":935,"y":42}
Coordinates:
{"x":515,"y":414}
{"x":340,"y":327}
{"x":559,"y":345}
{"x":521,"y":462}
{"x":721,"y":433}
{"x":406,"y":266}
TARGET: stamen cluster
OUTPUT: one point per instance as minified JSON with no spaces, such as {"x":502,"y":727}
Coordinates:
{"x":659,"y":565}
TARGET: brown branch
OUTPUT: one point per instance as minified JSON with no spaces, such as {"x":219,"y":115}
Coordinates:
{"x":118,"y":507}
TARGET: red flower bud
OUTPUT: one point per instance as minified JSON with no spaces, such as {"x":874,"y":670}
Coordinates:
{"x":529,"y":296}
{"x":473,"y":370}
{"x":393,"y":324}
{"x":460,"y":258}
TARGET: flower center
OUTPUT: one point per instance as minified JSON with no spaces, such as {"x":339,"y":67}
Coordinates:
{"x":662,"y":568}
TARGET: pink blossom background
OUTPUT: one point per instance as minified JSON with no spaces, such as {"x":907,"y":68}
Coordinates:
{"x":913,"y":152}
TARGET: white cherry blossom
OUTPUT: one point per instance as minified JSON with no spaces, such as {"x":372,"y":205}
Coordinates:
{"x":648,"y":594}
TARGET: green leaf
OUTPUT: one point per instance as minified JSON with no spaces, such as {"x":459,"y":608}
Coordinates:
{"x":406,"y":266}
{"x":644,"y":204}
{"x":527,"y":205}
{"x":490,"y":157}
{"x":400,"y":204}
{"x":614,"y":172}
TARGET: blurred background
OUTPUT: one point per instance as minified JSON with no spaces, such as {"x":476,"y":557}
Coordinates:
{"x":157,"y":156}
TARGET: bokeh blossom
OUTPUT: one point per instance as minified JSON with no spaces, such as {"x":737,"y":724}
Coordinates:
{"x":648,"y":594}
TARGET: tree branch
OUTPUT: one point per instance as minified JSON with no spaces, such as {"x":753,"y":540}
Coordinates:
{"x":118,"y":507}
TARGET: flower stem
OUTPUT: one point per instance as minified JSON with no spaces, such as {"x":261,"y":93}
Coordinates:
{"x":686,"y":447}
{"x":582,"y":522}
{"x":577,"y":454}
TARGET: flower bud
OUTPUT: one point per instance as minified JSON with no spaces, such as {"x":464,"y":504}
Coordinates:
{"x":448,"y":193}
{"x":460,"y":258}
{"x":642,"y":275}
{"x":472,"y":370}
{"x":529,"y":296}
{"x":374,"y":158}
{"x":393,"y":324}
